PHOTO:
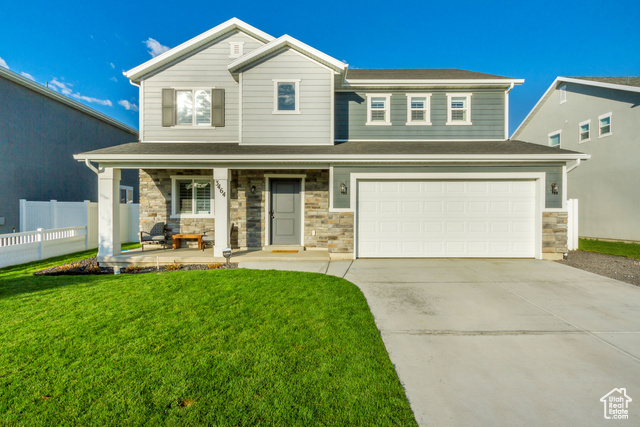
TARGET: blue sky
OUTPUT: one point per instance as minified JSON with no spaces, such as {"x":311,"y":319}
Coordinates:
{"x":81,"y":48}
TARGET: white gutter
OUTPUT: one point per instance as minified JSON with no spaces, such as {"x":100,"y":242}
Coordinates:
{"x":90,"y":166}
{"x":573,"y":166}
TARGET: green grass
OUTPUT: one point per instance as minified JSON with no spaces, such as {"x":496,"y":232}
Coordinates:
{"x":629,"y":250}
{"x":230,"y":347}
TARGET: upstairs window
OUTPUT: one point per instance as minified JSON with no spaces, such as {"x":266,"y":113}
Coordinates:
{"x":236,"y":49}
{"x":458,"y":109}
{"x":605,"y":125}
{"x":378,"y":109}
{"x":554,"y":139}
{"x":286,"y":94}
{"x":584,"y":131}
{"x":418,"y":109}
{"x":193,"y":107}
{"x":191,"y":196}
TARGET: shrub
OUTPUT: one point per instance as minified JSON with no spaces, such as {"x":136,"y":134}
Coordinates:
{"x":214,"y":265}
{"x":92,"y":269}
{"x":173,"y":267}
{"x":68,"y":267}
{"x":132,"y":268}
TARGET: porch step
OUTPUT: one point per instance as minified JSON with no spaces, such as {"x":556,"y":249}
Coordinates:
{"x":284,"y":249}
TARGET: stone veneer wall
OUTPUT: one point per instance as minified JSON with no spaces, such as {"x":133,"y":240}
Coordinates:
{"x":554,"y":234}
{"x":155,"y":201}
{"x":333,"y":230}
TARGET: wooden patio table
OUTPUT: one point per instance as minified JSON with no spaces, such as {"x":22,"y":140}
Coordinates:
{"x":177,"y":238}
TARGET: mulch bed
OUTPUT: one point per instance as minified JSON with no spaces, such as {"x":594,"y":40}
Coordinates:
{"x":616,"y":267}
{"x":89,"y":266}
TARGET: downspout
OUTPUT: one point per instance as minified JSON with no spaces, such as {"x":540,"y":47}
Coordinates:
{"x":506,"y":111}
{"x":90,"y":166}
{"x":573,"y":166}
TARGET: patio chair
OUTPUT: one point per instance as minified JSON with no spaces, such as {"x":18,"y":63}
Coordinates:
{"x":157,"y":236}
{"x":209,"y":239}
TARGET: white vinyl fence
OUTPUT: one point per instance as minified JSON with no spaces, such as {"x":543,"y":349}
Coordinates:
{"x":572,"y":224}
{"x":53,"y":228}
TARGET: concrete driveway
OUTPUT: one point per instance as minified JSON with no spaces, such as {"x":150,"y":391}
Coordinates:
{"x":505,"y":342}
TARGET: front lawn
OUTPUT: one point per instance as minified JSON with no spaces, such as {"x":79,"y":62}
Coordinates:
{"x":234,"y":347}
{"x":629,"y":250}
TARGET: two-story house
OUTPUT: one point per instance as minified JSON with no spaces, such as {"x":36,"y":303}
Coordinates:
{"x":293,"y":148}
{"x":598,"y":116}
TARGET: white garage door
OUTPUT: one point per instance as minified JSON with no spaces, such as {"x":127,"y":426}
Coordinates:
{"x":446,"y":219}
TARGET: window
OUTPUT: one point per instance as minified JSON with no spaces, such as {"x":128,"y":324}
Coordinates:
{"x":286,"y":95}
{"x":554,"y":139}
{"x":236,"y":49}
{"x":193,"y":107}
{"x":605,"y":125}
{"x":563,"y":94}
{"x":418,"y":109}
{"x":584,"y":131}
{"x":458,"y":109}
{"x":126,"y":194}
{"x":191,"y":196}
{"x":378,"y":109}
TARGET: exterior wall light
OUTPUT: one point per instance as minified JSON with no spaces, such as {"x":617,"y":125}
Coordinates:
{"x":253,"y":189}
{"x":554,"y":188}
{"x":343,"y":188}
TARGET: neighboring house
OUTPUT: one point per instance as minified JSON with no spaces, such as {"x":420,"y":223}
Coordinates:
{"x":292,"y":148}
{"x":40,"y":129}
{"x":599,"y":116}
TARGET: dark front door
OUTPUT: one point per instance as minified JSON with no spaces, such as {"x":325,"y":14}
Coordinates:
{"x":285,"y":212}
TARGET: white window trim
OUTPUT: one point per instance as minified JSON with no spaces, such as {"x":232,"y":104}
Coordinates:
{"x":466,"y":122}
{"x":193,"y":116}
{"x":557,"y":132}
{"x":427,"y":109}
{"x":586,"y":122}
{"x":563,"y":94}
{"x":604,"y":116}
{"x":387,"y":109}
{"x":275,"y":96}
{"x":174,"y":194}
{"x":127,"y":189}
{"x":232,"y":46}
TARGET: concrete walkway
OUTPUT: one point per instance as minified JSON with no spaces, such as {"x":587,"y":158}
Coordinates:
{"x":502,"y":342}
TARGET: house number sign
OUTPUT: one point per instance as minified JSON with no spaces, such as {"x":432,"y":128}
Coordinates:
{"x":219,"y":187}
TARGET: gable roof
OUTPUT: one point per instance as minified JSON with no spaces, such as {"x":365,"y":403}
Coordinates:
{"x":50,"y":93}
{"x":283,"y":42}
{"x":624,"y":81}
{"x":136,"y":74}
{"x":604,"y":82}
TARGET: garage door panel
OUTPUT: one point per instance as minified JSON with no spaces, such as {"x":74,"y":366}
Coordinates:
{"x":415,"y":218}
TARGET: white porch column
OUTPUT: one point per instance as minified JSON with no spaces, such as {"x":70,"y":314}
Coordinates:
{"x":108,"y":212}
{"x":221,"y":210}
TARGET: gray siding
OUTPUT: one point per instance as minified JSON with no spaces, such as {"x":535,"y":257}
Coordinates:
{"x":207,"y":68}
{"x":38,"y":137}
{"x":311,"y":126}
{"x":343,"y":174}
{"x":607,"y":185}
{"x":487,"y":116}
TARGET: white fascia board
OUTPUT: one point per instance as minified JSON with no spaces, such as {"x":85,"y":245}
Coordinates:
{"x":535,"y":108}
{"x":282,"y":42}
{"x":43,"y":90}
{"x":431,"y":82}
{"x":599,"y":84}
{"x":172,"y":54}
{"x":358,"y":158}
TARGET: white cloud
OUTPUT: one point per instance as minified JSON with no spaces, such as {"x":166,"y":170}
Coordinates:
{"x":64,"y":87}
{"x":155,"y":48}
{"x":4,"y":64}
{"x":112,"y":66}
{"x":93,"y":100}
{"x":113,"y":79}
{"x":128,"y":105}
{"x":27,"y":75}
